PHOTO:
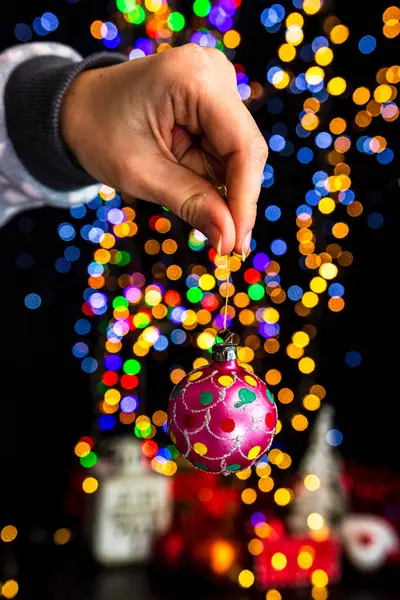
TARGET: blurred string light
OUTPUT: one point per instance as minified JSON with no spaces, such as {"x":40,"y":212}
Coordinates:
{"x":150,"y":314}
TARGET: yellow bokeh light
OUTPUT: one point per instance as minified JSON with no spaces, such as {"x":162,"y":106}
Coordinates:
{"x":340,"y":230}
{"x":299,"y":422}
{"x":337,"y":125}
{"x":314,"y":75}
{"x":311,"y":7}
{"x":287,"y":52}
{"x":311,"y":402}
{"x":328,"y":271}
{"x":232,"y":39}
{"x":8,"y":533}
{"x":312,"y":483}
{"x":282,"y":496}
{"x":315,"y":521}
{"x":306,"y":365}
{"x":361,"y":96}
{"x":273,"y":377}
{"x":336,"y":86}
{"x":62,"y":536}
{"x":310,"y":122}
{"x":263,"y":531}
{"x":278,"y":561}
{"x":294,"y":351}
{"x":205,"y":340}
{"x":300,"y":339}
{"x":319,"y":593}
{"x":174,"y":272}
{"x":295,"y":19}
{"x":285,"y":396}
{"x":305,"y":558}
{"x":273,"y":595}
{"x":326,"y":205}
{"x":255,"y":547}
{"x":10,"y":588}
{"x":310,"y":299}
{"x":323,"y":56}
{"x":318,"y":285}
{"x":90,"y":485}
{"x":266,"y":484}
{"x":246,"y":578}
{"x":339,"y":34}
{"x":319,"y":578}
{"x":243,"y":475}
{"x":112,"y":397}
{"x":281,"y":79}
{"x":271,"y":315}
{"x":383,"y":93}
{"x":249,"y":496}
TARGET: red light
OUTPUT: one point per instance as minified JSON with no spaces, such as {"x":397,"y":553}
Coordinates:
{"x":210,"y":302}
{"x":239,"y":68}
{"x":153,"y":222}
{"x":252,"y":276}
{"x":110,"y":378}
{"x":87,"y":310}
{"x":212,"y":254}
{"x":149,"y":448}
{"x":129,"y":382}
{"x":172,"y":298}
{"x":87,"y":440}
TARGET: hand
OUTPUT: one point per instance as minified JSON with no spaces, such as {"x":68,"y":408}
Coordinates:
{"x":132,"y":126}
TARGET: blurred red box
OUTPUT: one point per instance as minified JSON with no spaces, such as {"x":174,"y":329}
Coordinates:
{"x":326,"y":556}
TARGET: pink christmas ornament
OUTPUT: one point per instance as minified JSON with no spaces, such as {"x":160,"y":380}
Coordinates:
{"x":221,"y":417}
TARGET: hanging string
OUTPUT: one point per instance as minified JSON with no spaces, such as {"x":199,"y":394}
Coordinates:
{"x":224,"y":193}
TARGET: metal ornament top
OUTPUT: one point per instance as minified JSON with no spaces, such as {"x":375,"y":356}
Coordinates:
{"x":225,"y":351}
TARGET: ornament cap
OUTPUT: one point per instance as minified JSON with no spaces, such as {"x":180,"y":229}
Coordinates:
{"x":225,"y":351}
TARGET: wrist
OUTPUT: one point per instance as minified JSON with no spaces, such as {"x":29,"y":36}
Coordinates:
{"x":76,"y":116}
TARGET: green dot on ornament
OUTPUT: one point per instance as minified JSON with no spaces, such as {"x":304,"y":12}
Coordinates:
{"x":234,"y":467}
{"x":206,"y":398}
{"x":270,"y":397}
{"x":245,"y":397}
{"x":200,"y":466}
{"x":177,"y":391}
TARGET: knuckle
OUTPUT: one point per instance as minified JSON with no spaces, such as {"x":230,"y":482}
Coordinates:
{"x":191,"y":208}
{"x":259,"y":148}
{"x":193,"y":54}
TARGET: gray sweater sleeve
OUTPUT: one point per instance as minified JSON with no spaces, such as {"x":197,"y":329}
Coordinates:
{"x":36,"y":167}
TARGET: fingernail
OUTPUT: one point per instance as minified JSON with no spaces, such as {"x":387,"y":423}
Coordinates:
{"x":246,"y":246}
{"x":219,"y":246}
{"x":215,"y":236}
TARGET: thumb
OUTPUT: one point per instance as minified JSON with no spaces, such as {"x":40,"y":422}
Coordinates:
{"x":195,"y":200}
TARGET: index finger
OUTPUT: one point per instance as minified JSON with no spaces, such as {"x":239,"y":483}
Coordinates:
{"x":232,"y":131}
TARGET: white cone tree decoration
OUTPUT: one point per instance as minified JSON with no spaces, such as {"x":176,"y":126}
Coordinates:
{"x":320,"y":500}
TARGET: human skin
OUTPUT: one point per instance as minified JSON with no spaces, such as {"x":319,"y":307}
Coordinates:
{"x":141,"y":127}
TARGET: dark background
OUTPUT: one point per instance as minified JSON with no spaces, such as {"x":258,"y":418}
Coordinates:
{"x":46,"y":400}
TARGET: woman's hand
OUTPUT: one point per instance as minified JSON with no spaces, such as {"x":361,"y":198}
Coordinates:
{"x":132,"y":127}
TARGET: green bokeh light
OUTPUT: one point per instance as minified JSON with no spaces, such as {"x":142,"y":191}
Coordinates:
{"x":132,"y":366}
{"x":176,"y":21}
{"x":256,"y":291}
{"x":201,"y":8}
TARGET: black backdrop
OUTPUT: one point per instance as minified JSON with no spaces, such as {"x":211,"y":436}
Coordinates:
{"x":45,"y":398}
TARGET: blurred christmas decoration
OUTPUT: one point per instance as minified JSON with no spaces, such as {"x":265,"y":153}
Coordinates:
{"x":319,"y":504}
{"x":222,"y":418}
{"x":170,"y":308}
{"x":132,"y":507}
{"x":369,"y":541}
